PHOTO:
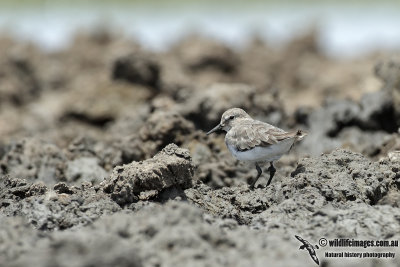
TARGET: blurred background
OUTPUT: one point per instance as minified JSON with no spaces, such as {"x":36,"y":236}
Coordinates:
{"x":346,"y":28}
{"x":101,"y":68}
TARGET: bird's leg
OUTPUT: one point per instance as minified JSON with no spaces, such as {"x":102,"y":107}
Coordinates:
{"x":272,"y":171}
{"x":258,"y":176}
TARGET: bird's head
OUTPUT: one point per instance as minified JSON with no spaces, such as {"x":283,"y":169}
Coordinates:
{"x":229,"y":118}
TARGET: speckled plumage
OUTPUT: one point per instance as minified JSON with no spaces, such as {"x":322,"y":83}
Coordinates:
{"x":247,"y":133}
{"x":255,"y":141}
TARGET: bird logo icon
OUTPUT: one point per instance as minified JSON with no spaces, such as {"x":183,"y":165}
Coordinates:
{"x":311,"y":249}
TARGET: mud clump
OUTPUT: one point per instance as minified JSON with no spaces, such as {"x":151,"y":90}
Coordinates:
{"x":372,"y":119}
{"x":17,"y":189}
{"x":137,"y":69}
{"x":163,"y":128}
{"x":34,"y":160}
{"x":343,"y":176}
{"x":389,"y":73}
{"x":205,"y":55}
{"x":53,"y":209}
{"x":85,"y":169}
{"x":171,"y":167}
{"x":156,"y":131}
{"x":20,"y":83}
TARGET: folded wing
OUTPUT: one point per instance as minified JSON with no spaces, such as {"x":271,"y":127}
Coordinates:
{"x":250,"y":135}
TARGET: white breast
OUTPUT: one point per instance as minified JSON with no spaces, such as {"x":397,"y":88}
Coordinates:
{"x":263,"y":154}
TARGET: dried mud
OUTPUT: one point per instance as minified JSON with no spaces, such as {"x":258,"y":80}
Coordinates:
{"x":104,"y":159}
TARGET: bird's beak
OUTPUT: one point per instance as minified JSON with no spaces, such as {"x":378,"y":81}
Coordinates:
{"x":216,"y":128}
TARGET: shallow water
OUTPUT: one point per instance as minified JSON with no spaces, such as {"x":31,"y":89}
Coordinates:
{"x":345,"y":30}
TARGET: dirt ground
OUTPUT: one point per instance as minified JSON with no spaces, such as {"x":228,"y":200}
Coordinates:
{"x":104,"y":160}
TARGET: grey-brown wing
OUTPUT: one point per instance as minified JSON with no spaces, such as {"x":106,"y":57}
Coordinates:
{"x":249,"y":135}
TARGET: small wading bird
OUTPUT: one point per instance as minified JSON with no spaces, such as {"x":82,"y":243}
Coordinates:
{"x":255,"y":141}
{"x":309,"y":247}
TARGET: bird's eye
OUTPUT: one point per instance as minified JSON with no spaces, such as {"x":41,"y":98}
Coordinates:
{"x":231,"y":117}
